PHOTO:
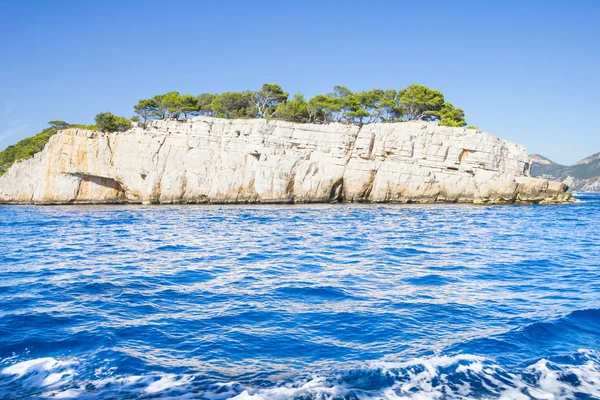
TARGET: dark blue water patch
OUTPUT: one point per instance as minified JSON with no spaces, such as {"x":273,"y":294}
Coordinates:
{"x":312,"y":292}
{"x":447,"y":268}
{"x":97,"y":287}
{"x":50,"y":342}
{"x":430,"y":280}
{"x":405,"y":252}
{"x":565,"y":335}
{"x":175,"y":248}
{"x":12,"y":260}
{"x":252,"y":257}
{"x":190,"y":276}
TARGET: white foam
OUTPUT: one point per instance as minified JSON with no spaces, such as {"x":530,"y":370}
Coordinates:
{"x":65,"y":394}
{"x":315,"y":386}
{"x":41,"y":372}
{"x":37,"y":364}
{"x":423,"y":380}
{"x":433,"y":378}
{"x":167,"y":382}
{"x":550,"y":385}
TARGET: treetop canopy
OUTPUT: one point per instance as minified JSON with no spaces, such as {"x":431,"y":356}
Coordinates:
{"x":415,"y":102}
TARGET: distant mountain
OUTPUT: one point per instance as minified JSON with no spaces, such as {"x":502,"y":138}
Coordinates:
{"x":584,"y":176}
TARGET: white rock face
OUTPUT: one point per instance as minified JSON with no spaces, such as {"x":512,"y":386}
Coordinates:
{"x":583,"y":185}
{"x":210,"y":160}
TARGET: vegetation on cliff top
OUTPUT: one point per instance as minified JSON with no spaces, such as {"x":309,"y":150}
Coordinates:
{"x":27,"y":148}
{"x":415,"y":102}
{"x":107,"y":122}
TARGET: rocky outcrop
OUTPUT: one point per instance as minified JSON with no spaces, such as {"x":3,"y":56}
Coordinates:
{"x":584,"y":176}
{"x":208,"y":160}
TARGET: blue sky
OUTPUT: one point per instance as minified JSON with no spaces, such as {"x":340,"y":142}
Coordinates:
{"x":525,"y":71}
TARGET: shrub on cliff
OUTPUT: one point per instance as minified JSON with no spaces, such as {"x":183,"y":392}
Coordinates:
{"x":452,"y":116}
{"x":28,"y":147}
{"x":24,"y":149}
{"x":107,"y":122}
{"x":295,"y":110}
{"x":234,"y":105}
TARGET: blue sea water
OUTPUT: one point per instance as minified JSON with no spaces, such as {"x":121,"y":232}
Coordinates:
{"x":316,"y":301}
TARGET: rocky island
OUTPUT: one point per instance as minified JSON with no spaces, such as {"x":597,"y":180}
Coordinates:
{"x":217,"y":160}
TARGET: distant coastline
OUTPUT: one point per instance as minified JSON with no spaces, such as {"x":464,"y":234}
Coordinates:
{"x":583,"y":176}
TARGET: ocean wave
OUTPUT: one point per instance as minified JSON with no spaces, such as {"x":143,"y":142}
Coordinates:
{"x":581,"y":327}
{"x":437,"y":377}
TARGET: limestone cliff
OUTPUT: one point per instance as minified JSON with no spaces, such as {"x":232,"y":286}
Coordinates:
{"x":208,"y":160}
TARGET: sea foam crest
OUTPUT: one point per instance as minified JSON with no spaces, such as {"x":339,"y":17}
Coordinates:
{"x":41,"y":372}
{"x":440,"y":377}
{"x":447,"y":377}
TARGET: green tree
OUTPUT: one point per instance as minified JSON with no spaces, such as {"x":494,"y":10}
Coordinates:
{"x":189,"y":105}
{"x":205,"y":104}
{"x":357,"y":115}
{"x":336,"y":106}
{"x":58,"y":124}
{"x":107,"y":122}
{"x":146,"y":109}
{"x":452,"y":116}
{"x":340,"y":92}
{"x":316,"y":109}
{"x":234,"y":105}
{"x":161,"y":100}
{"x":365,"y":107}
{"x":295,"y":110}
{"x":390,"y":109}
{"x":321,"y":109}
{"x":472,"y":127}
{"x":267,"y":99}
{"x":341,"y":104}
{"x":173,"y":103}
{"x":420,"y":102}
{"x":371,"y":102}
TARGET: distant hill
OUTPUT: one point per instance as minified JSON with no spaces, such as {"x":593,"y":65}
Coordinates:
{"x":583,"y":176}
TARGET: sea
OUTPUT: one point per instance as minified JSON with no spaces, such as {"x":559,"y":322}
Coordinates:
{"x":337,"y":301}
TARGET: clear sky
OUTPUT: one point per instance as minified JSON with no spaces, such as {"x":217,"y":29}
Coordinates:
{"x":526,"y":71}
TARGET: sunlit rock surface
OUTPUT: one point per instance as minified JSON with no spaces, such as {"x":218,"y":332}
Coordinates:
{"x":210,"y":160}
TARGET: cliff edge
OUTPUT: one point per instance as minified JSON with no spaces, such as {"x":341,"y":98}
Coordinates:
{"x":212,"y":160}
